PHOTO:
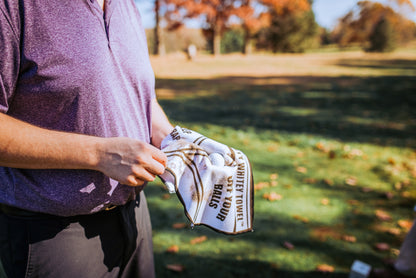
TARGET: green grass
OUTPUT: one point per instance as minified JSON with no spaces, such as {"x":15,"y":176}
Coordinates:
{"x":340,"y":146}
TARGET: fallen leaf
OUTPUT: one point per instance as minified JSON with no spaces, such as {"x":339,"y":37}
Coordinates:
{"x":353,"y":202}
{"x":173,"y":249}
{"x":301,"y":169}
{"x":395,"y":251}
{"x":273,"y":148}
{"x":198,"y":240}
{"x":406,"y":194}
{"x":166,"y":196}
{"x":406,"y":182}
{"x":349,"y":238}
{"x":329,"y":182}
{"x":352,"y":181}
{"x":391,"y":161}
{"x":261,"y":185}
{"x":310,"y":180}
{"x":398,"y":185}
{"x":405,"y":224}
{"x":325,"y":268}
{"x":274,"y":176}
{"x":179,"y":225}
{"x":394,"y":231}
{"x":321,"y":146}
{"x":288,"y":245}
{"x":322,"y":233}
{"x":352,"y":153}
{"x":175,"y":267}
{"x":303,"y":219}
{"x":383,"y":215}
{"x":325,"y":201}
{"x":272,"y":196}
{"x":356,"y":152}
{"x":332,"y":154}
{"x":382,"y":246}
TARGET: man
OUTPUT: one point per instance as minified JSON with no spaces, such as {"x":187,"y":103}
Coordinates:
{"x":80,"y":137}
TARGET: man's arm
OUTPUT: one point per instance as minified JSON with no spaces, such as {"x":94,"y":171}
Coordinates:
{"x":126,"y":160}
{"x":161,"y":127}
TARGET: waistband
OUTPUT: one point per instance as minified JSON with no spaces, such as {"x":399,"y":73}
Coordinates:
{"x":13,"y":211}
{"x":22,"y":213}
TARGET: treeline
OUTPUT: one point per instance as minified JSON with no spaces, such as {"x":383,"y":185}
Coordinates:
{"x":276,"y":25}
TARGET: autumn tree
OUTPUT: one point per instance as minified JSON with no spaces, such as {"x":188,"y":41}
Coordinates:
{"x":214,"y":14}
{"x":290,"y":25}
{"x":254,"y":21}
{"x":251,"y":21}
{"x":358,"y":25}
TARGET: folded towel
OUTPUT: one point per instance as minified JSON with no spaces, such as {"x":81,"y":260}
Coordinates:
{"x":213,"y":181}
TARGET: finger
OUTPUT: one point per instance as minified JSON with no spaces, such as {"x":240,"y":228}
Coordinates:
{"x":158,"y":169}
{"x":154,"y":166}
{"x":143,"y":174}
{"x":134,"y":181}
{"x":159,"y":156}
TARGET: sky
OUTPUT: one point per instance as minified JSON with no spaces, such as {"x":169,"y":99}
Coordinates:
{"x":327,"y":12}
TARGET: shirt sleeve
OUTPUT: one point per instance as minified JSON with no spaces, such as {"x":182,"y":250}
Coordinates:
{"x":9,"y":59}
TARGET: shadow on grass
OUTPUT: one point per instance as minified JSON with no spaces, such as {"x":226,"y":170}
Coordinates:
{"x":377,"y":110}
{"x":400,"y":64}
{"x":226,"y":268}
{"x":269,"y":257}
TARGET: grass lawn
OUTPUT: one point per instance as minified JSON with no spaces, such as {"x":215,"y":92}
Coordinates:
{"x":333,"y":134}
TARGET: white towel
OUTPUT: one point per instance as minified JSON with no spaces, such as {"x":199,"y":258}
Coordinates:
{"x":213,"y":181}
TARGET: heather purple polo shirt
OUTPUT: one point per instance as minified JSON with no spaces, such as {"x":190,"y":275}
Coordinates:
{"x":65,"y":65}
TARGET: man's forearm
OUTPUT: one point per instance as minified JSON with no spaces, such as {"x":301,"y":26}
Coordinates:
{"x":26,"y":146}
{"x":161,"y":126}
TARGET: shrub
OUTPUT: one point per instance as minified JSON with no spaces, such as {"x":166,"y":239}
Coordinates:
{"x":383,"y":38}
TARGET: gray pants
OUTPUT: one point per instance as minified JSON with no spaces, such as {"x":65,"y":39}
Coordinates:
{"x":115,"y":243}
{"x":406,"y":262}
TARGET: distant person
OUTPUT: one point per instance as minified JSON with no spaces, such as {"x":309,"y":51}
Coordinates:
{"x":191,"y":51}
{"x":80,"y":137}
{"x":405,"y":265}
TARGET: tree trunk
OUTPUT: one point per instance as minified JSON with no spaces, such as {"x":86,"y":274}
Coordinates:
{"x":247,"y":46}
{"x":216,"y":43}
{"x":158,"y":46}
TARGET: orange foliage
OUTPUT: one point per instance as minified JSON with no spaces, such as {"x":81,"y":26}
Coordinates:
{"x":357,"y":27}
{"x":215,"y":12}
{"x":287,"y":6}
{"x":405,"y":3}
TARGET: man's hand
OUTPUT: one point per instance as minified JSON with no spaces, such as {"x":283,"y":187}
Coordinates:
{"x":130,"y":162}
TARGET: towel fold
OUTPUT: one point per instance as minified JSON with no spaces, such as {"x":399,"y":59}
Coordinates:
{"x":213,"y":181}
